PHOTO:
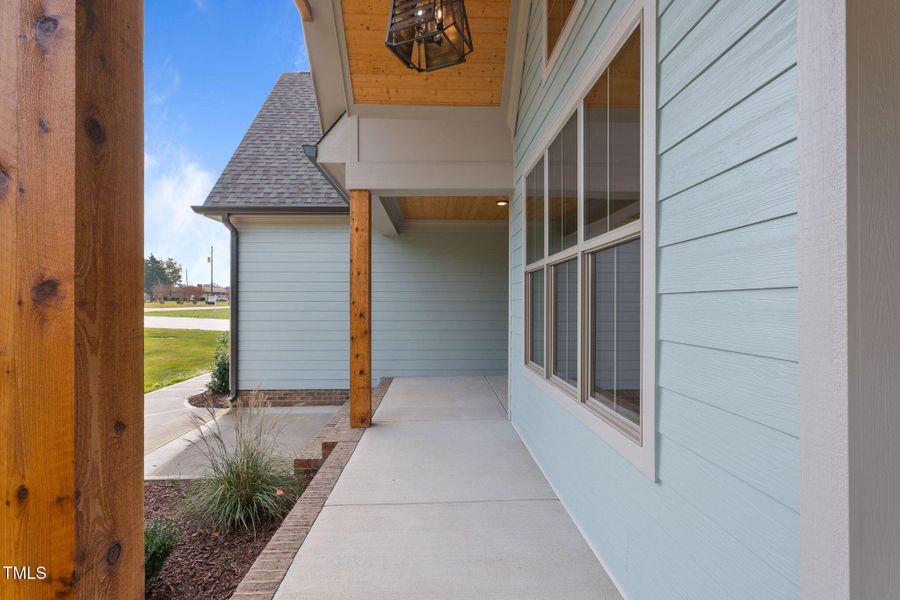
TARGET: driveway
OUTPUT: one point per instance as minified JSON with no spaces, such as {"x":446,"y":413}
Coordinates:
{"x":186,"y":323}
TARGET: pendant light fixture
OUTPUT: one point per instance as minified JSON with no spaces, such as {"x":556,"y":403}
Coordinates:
{"x":427,"y":35}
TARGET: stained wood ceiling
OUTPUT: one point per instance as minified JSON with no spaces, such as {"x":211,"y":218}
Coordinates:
{"x":465,"y":208}
{"x":379,"y":78}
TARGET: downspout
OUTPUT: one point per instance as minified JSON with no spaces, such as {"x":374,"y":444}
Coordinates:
{"x":233,"y":321}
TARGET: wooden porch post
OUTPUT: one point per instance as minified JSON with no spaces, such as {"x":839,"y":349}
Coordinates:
{"x":360,"y":308}
{"x":71,"y":246}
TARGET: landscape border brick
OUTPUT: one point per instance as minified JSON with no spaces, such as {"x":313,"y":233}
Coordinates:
{"x":321,"y":462}
{"x":323,"y":397}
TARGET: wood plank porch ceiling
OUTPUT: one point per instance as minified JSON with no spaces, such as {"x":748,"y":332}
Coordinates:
{"x":379,"y":78}
{"x":455,"y":208}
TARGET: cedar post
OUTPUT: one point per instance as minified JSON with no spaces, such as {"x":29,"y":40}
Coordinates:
{"x":71,"y":246}
{"x":360,"y":308}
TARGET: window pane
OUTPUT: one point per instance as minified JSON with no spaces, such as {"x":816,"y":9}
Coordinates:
{"x":557,"y":14}
{"x":616,"y":329}
{"x":534,"y":213}
{"x":565,"y":311}
{"x":596,"y":159}
{"x":612,"y":143}
{"x":536,"y":317}
{"x":562,"y":188}
{"x":625,"y":134}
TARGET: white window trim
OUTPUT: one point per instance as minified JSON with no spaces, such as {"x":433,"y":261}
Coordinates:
{"x":641,"y":454}
{"x":550,"y":60}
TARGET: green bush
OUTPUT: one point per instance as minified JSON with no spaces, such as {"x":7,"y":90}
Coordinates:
{"x":160,"y":538}
{"x":247,"y":481}
{"x":218,"y":382}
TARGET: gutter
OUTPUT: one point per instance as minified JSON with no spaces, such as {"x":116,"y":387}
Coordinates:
{"x":233,"y":321}
{"x":270,"y":210}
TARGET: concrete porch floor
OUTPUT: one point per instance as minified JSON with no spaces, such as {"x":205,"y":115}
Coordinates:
{"x":442,"y":500}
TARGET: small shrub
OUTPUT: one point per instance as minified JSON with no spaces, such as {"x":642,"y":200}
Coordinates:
{"x":247,"y":482}
{"x":218,"y":382}
{"x":160,"y":538}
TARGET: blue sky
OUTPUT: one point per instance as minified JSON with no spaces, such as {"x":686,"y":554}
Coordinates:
{"x":208,"y":67}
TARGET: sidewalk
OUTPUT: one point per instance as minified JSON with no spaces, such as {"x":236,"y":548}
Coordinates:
{"x":166,"y":413}
{"x":186,"y":323}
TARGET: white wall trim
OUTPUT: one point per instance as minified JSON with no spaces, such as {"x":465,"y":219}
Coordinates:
{"x":849,"y":327}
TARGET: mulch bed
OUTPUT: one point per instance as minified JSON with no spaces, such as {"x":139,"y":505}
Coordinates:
{"x":207,"y":399}
{"x":204,"y":565}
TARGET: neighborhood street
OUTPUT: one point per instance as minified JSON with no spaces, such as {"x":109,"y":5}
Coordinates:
{"x":186,"y":323}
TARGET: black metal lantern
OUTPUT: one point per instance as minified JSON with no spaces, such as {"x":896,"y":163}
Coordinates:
{"x":427,"y":35}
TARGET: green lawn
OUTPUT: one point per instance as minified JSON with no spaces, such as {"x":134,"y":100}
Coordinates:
{"x":218,"y":313}
{"x":173,"y":355}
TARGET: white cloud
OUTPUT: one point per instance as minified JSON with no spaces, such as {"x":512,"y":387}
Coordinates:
{"x":173,"y":183}
{"x":301,"y":59}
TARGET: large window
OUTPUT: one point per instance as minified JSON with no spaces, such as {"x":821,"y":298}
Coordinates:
{"x":584,"y":263}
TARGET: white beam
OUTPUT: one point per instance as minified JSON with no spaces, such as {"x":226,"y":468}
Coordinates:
{"x":386,"y":216}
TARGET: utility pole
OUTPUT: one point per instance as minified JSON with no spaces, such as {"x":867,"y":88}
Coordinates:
{"x":210,"y":295}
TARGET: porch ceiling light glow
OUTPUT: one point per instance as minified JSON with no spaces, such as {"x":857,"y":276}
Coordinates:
{"x":427,"y":35}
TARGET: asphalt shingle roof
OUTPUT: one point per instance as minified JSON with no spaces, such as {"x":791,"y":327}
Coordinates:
{"x":269,"y":167}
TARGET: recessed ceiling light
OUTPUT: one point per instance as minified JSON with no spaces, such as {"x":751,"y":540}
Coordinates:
{"x":502,"y":202}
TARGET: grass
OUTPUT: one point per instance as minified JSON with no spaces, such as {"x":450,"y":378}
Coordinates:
{"x":174,"y":304}
{"x":219,"y":313}
{"x":173,"y":355}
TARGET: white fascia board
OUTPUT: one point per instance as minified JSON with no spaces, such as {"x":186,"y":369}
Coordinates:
{"x":515,"y":62}
{"x":324,"y":52}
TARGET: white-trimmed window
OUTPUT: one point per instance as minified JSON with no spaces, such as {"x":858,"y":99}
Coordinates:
{"x":559,"y":20}
{"x":586,"y":273}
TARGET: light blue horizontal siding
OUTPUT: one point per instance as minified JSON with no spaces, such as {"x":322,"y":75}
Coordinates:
{"x":722,"y":521}
{"x":439,"y":305}
{"x":471,"y":265}
{"x":293,"y":308}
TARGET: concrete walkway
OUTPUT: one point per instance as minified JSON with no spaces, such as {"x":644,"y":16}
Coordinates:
{"x":186,"y":323}
{"x":442,"y":500}
{"x":167,"y":414}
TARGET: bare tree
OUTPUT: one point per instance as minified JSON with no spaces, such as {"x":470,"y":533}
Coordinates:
{"x":161,"y":290}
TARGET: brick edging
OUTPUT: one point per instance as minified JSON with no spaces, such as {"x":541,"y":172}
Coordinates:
{"x":323,"y":458}
{"x":297,"y":397}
